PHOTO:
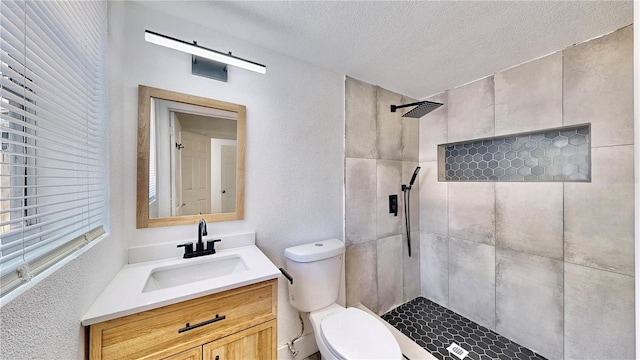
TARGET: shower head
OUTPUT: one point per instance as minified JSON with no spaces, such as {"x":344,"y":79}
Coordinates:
{"x":422,"y":108}
{"x":413,"y":178}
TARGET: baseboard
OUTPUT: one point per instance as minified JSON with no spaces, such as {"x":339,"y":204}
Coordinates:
{"x":306,"y":346}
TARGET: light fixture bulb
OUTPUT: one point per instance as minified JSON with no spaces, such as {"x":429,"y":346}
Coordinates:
{"x":201,"y":51}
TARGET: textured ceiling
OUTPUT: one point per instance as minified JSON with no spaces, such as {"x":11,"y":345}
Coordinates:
{"x":416,"y":48}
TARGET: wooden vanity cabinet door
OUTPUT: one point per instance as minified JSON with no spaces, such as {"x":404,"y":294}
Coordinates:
{"x":154,"y":334}
{"x":258,"y":342}
{"x":191,"y":354}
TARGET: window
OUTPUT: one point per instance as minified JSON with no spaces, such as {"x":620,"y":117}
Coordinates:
{"x":53,"y":127}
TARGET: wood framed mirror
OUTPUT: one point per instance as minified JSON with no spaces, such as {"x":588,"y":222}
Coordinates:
{"x":190,"y":159}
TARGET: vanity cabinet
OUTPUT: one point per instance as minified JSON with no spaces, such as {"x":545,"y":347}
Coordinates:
{"x":253,"y":343}
{"x":191,"y":354}
{"x":234,"y":324}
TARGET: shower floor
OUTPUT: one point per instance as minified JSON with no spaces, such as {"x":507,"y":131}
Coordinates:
{"x":435,"y":327}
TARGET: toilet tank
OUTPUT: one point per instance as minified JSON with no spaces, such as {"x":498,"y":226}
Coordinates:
{"x":315,"y":269}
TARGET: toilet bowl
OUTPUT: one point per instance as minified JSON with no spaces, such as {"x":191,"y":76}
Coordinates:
{"x":341,"y":333}
{"x":350,"y":333}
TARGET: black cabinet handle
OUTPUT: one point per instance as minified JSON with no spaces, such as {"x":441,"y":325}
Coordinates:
{"x":191,"y":327}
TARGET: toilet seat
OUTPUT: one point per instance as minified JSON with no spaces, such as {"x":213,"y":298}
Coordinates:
{"x":353,"y":334}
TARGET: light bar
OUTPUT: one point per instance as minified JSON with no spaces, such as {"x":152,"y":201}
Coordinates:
{"x":202,"y":51}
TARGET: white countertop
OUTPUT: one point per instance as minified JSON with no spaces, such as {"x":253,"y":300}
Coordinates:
{"x":123,"y":296}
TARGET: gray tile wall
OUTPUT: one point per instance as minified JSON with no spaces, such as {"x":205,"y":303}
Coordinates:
{"x":381,"y":153}
{"x":472,"y":281}
{"x":549,"y":265}
{"x":529,"y":306}
{"x":529,"y":96}
{"x":598,"y":316}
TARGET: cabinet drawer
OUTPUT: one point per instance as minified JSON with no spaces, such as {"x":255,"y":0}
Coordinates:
{"x":170,"y":329}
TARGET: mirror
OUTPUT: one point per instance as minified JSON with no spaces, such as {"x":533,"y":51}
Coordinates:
{"x":190,"y":159}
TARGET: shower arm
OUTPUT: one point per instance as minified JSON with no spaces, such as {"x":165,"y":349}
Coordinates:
{"x":394,"y":107}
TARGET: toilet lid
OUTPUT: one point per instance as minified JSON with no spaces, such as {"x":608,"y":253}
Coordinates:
{"x":354,"y":334}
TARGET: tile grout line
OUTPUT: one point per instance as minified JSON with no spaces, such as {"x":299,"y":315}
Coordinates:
{"x":448,"y":217}
{"x":495,"y":258}
{"x":495,"y":225}
{"x":599,"y":269}
{"x":564,"y":335}
{"x":375,"y":241}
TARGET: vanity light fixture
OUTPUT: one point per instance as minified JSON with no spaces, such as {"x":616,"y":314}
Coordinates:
{"x":203,"y":52}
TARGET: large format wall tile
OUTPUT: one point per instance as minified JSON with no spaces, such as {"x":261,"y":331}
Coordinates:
{"x":434,"y":217}
{"x":433,"y":129}
{"x":599,"y":215}
{"x":389,"y":125}
{"x":389,"y":177}
{"x":472,"y":212}
{"x":360,"y":200}
{"x":529,"y":96}
{"x":361,"y":274}
{"x":390,"y":283}
{"x":472,"y":281}
{"x":529,"y":218}
{"x":411,"y":266}
{"x":598,"y":87}
{"x":434,"y":267}
{"x":470,"y":111}
{"x":598,"y":314}
{"x":529,"y":300}
{"x":360,"y":119}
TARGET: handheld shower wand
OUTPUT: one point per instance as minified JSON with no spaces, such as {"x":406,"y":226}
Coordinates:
{"x":406,"y":189}
{"x":413,"y":177}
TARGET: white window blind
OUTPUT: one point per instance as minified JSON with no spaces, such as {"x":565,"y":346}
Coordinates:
{"x":53,"y":126}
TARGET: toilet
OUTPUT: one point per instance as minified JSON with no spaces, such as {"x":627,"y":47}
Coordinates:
{"x":341,"y":333}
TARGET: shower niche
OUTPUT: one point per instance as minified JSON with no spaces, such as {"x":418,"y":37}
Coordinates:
{"x":562,"y":154}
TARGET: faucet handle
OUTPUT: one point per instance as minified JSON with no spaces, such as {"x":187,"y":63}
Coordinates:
{"x":188,"y":248}
{"x":211,"y":245}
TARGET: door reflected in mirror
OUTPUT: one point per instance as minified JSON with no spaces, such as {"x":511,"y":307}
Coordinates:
{"x":195,"y":162}
{"x":192,"y":165}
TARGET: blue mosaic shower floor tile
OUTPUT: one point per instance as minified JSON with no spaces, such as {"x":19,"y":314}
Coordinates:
{"x":435,"y":327}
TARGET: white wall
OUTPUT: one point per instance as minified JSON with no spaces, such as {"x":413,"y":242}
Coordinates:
{"x":295,"y":131}
{"x":294,"y":176}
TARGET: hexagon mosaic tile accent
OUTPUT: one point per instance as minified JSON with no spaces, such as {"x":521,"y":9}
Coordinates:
{"x":435,"y":327}
{"x":554,"y":155}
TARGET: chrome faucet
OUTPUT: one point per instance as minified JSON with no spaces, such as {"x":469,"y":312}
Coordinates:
{"x":200,"y":249}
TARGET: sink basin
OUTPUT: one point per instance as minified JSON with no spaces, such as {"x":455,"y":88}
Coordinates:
{"x":195,"y":270}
